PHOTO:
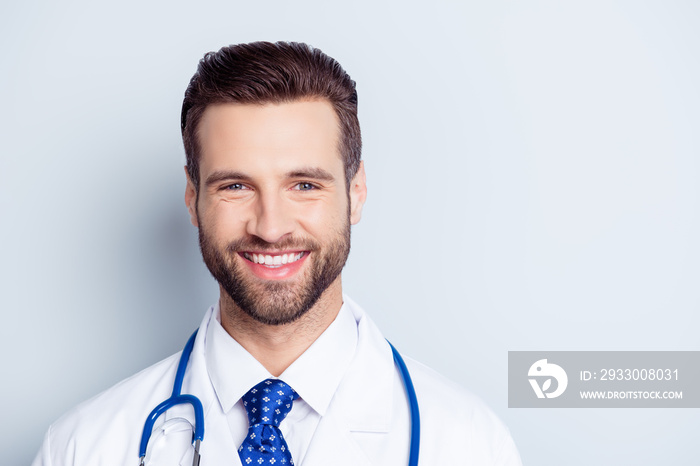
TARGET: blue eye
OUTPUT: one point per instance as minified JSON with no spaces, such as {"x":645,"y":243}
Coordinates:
{"x":234,"y":186}
{"x":304,"y":186}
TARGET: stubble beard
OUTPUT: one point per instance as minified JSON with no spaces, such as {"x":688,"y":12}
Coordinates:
{"x":276,"y":302}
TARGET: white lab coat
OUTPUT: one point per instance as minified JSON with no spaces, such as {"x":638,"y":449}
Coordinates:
{"x":367,"y":422}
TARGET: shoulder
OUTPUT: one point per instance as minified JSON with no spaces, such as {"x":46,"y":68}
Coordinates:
{"x":125,"y":396}
{"x":449,"y":413}
{"x":109,"y":423}
{"x":446,"y":398}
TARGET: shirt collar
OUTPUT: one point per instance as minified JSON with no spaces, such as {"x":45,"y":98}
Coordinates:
{"x":315,"y":375}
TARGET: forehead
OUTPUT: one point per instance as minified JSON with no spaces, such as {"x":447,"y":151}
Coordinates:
{"x":286,"y":134}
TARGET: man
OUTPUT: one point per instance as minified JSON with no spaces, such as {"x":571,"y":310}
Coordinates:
{"x":288,"y":369}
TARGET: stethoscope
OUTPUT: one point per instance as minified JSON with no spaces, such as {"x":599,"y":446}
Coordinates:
{"x":198,"y":436}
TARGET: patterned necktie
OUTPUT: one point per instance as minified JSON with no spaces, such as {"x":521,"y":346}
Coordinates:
{"x":267,"y":404}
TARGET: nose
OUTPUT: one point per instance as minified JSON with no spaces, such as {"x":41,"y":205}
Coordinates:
{"x":271,"y":219}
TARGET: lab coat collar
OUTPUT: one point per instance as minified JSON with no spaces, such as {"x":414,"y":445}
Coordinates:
{"x":362,"y":403}
{"x":196,"y":377}
{"x":369,"y":379}
{"x":196,"y":380}
{"x":369,"y":376}
{"x":218,"y":442}
{"x":366,"y":392}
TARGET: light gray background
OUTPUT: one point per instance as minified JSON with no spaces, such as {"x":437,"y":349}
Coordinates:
{"x":533,"y":185}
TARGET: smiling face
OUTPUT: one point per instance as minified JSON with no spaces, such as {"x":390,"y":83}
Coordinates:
{"x":273,"y":209}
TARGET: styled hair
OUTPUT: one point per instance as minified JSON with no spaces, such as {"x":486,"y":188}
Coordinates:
{"x":265,"y":72}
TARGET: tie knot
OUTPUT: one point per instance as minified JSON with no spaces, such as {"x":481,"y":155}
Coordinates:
{"x":269,"y":402}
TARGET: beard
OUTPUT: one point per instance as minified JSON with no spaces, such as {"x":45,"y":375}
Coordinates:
{"x":276,"y":302}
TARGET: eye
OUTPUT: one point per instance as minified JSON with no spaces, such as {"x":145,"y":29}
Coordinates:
{"x":304,"y":186}
{"x":234,"y":187}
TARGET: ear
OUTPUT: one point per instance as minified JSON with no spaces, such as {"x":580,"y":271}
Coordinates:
{"x":191,"y":199}
{"x":358,"y":194}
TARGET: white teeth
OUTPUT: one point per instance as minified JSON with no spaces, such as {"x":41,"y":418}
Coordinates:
{"x":269,"y":260}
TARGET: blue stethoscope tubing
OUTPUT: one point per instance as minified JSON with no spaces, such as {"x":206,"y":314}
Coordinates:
{"x":177,"y":398}
{"x":413,"y":405}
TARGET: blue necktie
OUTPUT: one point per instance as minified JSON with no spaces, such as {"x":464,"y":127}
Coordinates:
{"x":267,"y":404}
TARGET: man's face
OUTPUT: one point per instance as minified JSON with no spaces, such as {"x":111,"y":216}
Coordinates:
{"x":273,"y":209}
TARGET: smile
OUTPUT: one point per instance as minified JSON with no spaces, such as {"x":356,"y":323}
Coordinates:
{"x":272,"y":261}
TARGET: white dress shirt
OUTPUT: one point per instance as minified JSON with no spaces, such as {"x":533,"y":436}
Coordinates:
{"x":315,"y":376}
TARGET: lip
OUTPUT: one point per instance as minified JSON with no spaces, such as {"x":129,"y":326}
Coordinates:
{"x":275,"y":253}
{"x":276,"y":272}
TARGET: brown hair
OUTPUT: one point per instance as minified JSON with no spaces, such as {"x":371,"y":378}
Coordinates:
{"x":263,"y":72}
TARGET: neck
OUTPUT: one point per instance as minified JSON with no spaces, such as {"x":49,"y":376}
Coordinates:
{"x":276,"y":347}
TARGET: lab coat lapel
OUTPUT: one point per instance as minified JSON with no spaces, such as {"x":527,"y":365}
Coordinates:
{"x":334,"y":444}
{"x":218,"y":443}
{"x":218,"y":447}
{"x":362,"y":402}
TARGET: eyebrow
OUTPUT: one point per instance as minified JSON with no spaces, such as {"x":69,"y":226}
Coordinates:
{"x":223,"y":175}
{"x":314,"y":173}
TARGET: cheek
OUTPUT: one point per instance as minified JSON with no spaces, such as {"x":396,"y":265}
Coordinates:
{"x":324,"y":219}
{"x":222,"y":221}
